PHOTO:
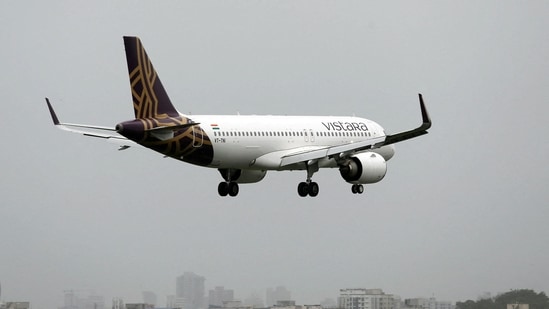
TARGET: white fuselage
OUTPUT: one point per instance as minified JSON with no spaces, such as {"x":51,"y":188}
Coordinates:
{"x":258,"y":142}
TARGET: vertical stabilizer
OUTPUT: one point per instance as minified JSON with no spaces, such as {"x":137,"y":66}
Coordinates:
{"x":150,"y":99}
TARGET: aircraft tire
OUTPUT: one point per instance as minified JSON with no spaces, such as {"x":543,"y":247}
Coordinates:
{"x":359,"y":189}
{"x":313,"y":189}
{"x":223,"y":189}
{"x":303,"y":189}
{"x":233,"y":189}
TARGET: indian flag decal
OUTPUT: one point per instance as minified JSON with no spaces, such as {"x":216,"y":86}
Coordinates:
{"x":214,"y":126}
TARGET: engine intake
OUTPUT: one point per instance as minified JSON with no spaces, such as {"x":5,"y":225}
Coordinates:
{"x":363,"y":168}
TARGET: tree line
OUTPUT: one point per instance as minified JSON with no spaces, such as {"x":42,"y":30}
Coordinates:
{"x":533,"y":299}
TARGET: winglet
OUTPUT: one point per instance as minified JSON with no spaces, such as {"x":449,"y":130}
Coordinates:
{"x":421,"y":130}
{"x":52,"y":113}
{"x":424,"y":114}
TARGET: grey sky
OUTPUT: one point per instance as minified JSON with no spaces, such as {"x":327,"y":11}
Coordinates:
{"x":462,"y":210}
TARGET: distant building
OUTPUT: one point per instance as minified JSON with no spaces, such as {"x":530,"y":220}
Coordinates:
{"x":518,"y":306}
{"x":117,"y":303}
{"x":233,"y":304}
{"x":428,"y":303}
{"x":290,"y":304}
{"x":189,"y":291}
{"x":171,"y":302}
{"x":83,"y":299}
{"x":277,"y":294}
{"x":285,"y":304}
{"x":365,"y":299}
{"x":15,"y":305}
{"x":139,"y":306}
{"x":328,"y":303}
{"x":219,"y":295}
{"x":254,"y":300}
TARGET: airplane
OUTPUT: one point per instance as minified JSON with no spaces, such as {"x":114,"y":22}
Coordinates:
{"x":243,"y":148}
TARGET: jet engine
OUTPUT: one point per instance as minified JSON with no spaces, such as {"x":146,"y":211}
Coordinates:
{"x":363,"y":168}
{"x":243,"y":176}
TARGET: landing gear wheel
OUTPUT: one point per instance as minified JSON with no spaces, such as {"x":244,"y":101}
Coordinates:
{"x":233,"y":189}
{"x":303,"y":189}
{"x":357,"y":189}
{"x":223,"y":188}
{"x":313,"y":189}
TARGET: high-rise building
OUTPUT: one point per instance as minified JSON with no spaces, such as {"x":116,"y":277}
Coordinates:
{"x":280,"y":293}
{"x":365,"y":299}
{"x":219,"y":295}
{"x":189,"y":289}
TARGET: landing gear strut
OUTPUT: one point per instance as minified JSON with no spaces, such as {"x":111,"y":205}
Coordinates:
{"x":357,"y":189}
{"x":309,"y":187}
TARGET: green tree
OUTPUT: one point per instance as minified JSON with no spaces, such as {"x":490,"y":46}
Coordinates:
{"x":523,"y":296}
{"x":533,"y":299}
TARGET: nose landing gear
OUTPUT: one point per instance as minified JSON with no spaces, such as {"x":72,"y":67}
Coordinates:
{"x":357,"y":189}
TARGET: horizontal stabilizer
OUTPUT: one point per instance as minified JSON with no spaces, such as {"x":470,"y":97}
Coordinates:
{"x":90,"y":130}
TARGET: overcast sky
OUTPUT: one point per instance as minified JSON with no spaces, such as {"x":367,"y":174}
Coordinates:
{"x":462,"y":210}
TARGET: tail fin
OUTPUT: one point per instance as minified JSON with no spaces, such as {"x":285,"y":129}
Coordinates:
{"x":150,"y":99}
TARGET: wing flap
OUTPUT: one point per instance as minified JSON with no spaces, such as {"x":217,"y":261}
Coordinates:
{"x":313,"y":154}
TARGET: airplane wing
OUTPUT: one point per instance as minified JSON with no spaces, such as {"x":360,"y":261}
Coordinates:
{"x":344,"y":150}
{"x":89,"y":130}
{"x":308,"y":154}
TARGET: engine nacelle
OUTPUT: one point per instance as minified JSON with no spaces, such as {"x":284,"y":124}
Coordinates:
{"x":243,"y":176}
{"x":363,"y":168}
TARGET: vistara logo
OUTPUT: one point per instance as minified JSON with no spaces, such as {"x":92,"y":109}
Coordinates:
{"x":345,"y":126}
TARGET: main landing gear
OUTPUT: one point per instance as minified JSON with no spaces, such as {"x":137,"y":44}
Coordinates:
{"x":228,"y":188}
{"x":309,"y":187}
